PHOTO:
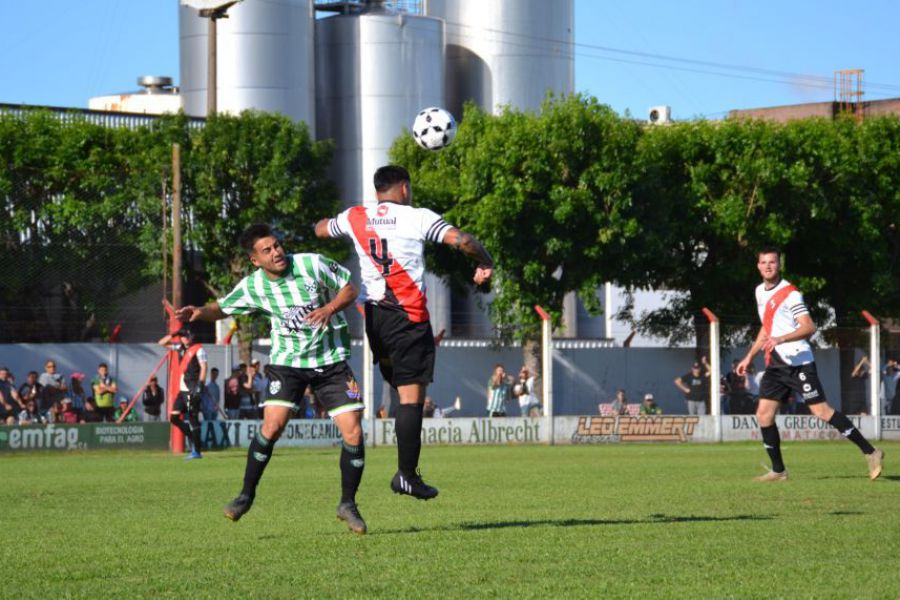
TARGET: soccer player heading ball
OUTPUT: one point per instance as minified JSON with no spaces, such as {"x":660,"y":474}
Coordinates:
{"x":303,"y":296}
{"x":790,"y":366}
{"x":388,"y":239}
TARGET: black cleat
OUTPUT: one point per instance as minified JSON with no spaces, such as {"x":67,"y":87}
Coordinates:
{"x":348,"y":512}
{"x":413,"y":486}
{"x":238,"y":507}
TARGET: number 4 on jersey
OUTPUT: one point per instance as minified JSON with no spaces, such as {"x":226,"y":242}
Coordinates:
{"x":384,"y":258}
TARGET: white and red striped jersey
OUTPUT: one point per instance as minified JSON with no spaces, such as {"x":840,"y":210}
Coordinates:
{"x":784,"y":321}
{"x":389,"y":240}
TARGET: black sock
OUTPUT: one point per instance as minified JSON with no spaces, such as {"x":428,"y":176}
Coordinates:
{"x":772,"y":444}
{"x":178,"y":422}
{"x":840,"y":422}
{"x":408,"y":428}
{"x":353,"y":461}
{"x":257,"y":458}
{"x":194,"y":424}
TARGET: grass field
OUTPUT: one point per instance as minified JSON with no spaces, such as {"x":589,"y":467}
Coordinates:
{"x":644,"y":521}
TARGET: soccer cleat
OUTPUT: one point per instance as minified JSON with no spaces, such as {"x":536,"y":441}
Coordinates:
{"x":194,"y":454}
{"x":875,"y":461}
{"x":238,"y":507}
{"x":348,"y":512}
{"x":413,"y":486}
{"x":772,"y":476}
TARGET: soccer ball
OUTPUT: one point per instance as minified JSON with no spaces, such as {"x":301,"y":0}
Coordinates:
{"x":434,"y":128}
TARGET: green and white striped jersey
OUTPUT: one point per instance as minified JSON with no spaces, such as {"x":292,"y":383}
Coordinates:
{"x":310,"y":282}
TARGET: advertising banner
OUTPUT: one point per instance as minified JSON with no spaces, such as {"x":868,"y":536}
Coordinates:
{"x":736,"y":428}
{"x":890,"y":427}
{"x":506,"y":430}
{"x":597,"y":429}
{"x":298,"y":433}
{"x":76,"y":437}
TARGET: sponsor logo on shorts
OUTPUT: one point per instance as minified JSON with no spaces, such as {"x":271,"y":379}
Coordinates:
{"x":352,"y":389}
{"x":274,"y":387}
{"x":811,"y":395}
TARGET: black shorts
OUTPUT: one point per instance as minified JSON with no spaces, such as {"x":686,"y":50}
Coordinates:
{"x":184,"y":403}
{"x":780,"y":381}
{"x":403,"y":350}
{"x":334,"y":386}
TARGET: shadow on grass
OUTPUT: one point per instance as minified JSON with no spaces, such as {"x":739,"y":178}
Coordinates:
{"x":843,"y":513}
{"x":650,"y":520}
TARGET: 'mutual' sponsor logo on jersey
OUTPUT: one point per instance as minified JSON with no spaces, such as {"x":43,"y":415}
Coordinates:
{"x":385,"y":223}
{"x":634,"y":429}
{"x":274,"y":386}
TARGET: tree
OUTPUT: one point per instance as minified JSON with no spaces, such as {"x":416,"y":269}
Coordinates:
{"x":548,"y":194}
{"x":73,"y":218}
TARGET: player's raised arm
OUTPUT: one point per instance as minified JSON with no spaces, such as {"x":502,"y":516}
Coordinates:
{"x":467,"y":244}
{"x":322,"y":229}
{"x":209,"y":312}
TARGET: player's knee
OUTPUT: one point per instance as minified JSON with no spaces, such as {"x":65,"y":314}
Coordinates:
{"x":175,"y":418}
{"x":353,"y":436}
{"x":272,"y":430}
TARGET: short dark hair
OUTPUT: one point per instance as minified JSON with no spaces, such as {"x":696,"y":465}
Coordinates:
{"x":104,"y":365}
{"x":388,"y":176}
{"x":769,"y":250}
{"x":253,"y":233}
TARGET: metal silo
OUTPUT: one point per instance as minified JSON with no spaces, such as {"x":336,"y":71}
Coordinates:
{"x":375,"y":70}
{"x":265,"y":59}
{"x":506,"y":51}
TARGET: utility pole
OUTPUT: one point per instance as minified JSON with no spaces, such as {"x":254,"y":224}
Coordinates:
{"x":212,"y":10}
{"x":176,"y":226}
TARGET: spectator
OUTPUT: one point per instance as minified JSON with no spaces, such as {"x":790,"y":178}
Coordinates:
{"x":31,"y":414}
{"x":620,"y":403}
{"x":858,"y":395}
{"x":130,"y":416}
{"x":695,"y":387}
{"x":30,"y":390}
{"x":91,"y":414}
{"x":10,"y":401}
{"x":233,"y":395}
{"x":105,"y":388}
{"x":53,"y":387}
{"x":498,"y":392}
{"x":428,"y":408}
{"x":260,"y":384}
{"x":523,"y":390}
{"x":890,"y":376}
{"x":248,"y":400}
{"x":68,"y":414}
{"x":753,"y":379}
{"x":737,"y":399}
{"x":211,"y":395}
{"x":77,"y":391}
{"x":649,"y":406}
{"x":153,"y":399}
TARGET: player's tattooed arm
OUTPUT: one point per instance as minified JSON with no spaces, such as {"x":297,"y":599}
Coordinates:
{"x":466,"y":243}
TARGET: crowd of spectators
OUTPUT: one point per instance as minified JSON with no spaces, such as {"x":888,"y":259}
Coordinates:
{"x":51,"y":397}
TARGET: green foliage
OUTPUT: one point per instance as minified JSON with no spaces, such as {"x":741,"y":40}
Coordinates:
{"x":82,"y":222}
{"x":574,"y":195}
{"x":548,"y":194}
{"x":609,"y":520}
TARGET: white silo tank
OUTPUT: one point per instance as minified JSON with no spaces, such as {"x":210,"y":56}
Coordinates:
{"x":265,"y":59}
{"x":503,"y":52}
{"x":375,"y":70}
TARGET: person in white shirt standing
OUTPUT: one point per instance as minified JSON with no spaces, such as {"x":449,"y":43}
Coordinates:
{"x":389,"y":241}
{"x":790,"y":366}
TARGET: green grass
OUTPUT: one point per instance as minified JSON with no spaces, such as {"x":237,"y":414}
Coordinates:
{"x":670,"y":521}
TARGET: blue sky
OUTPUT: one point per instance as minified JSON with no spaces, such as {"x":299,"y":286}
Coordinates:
{"x":702,"y":57}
